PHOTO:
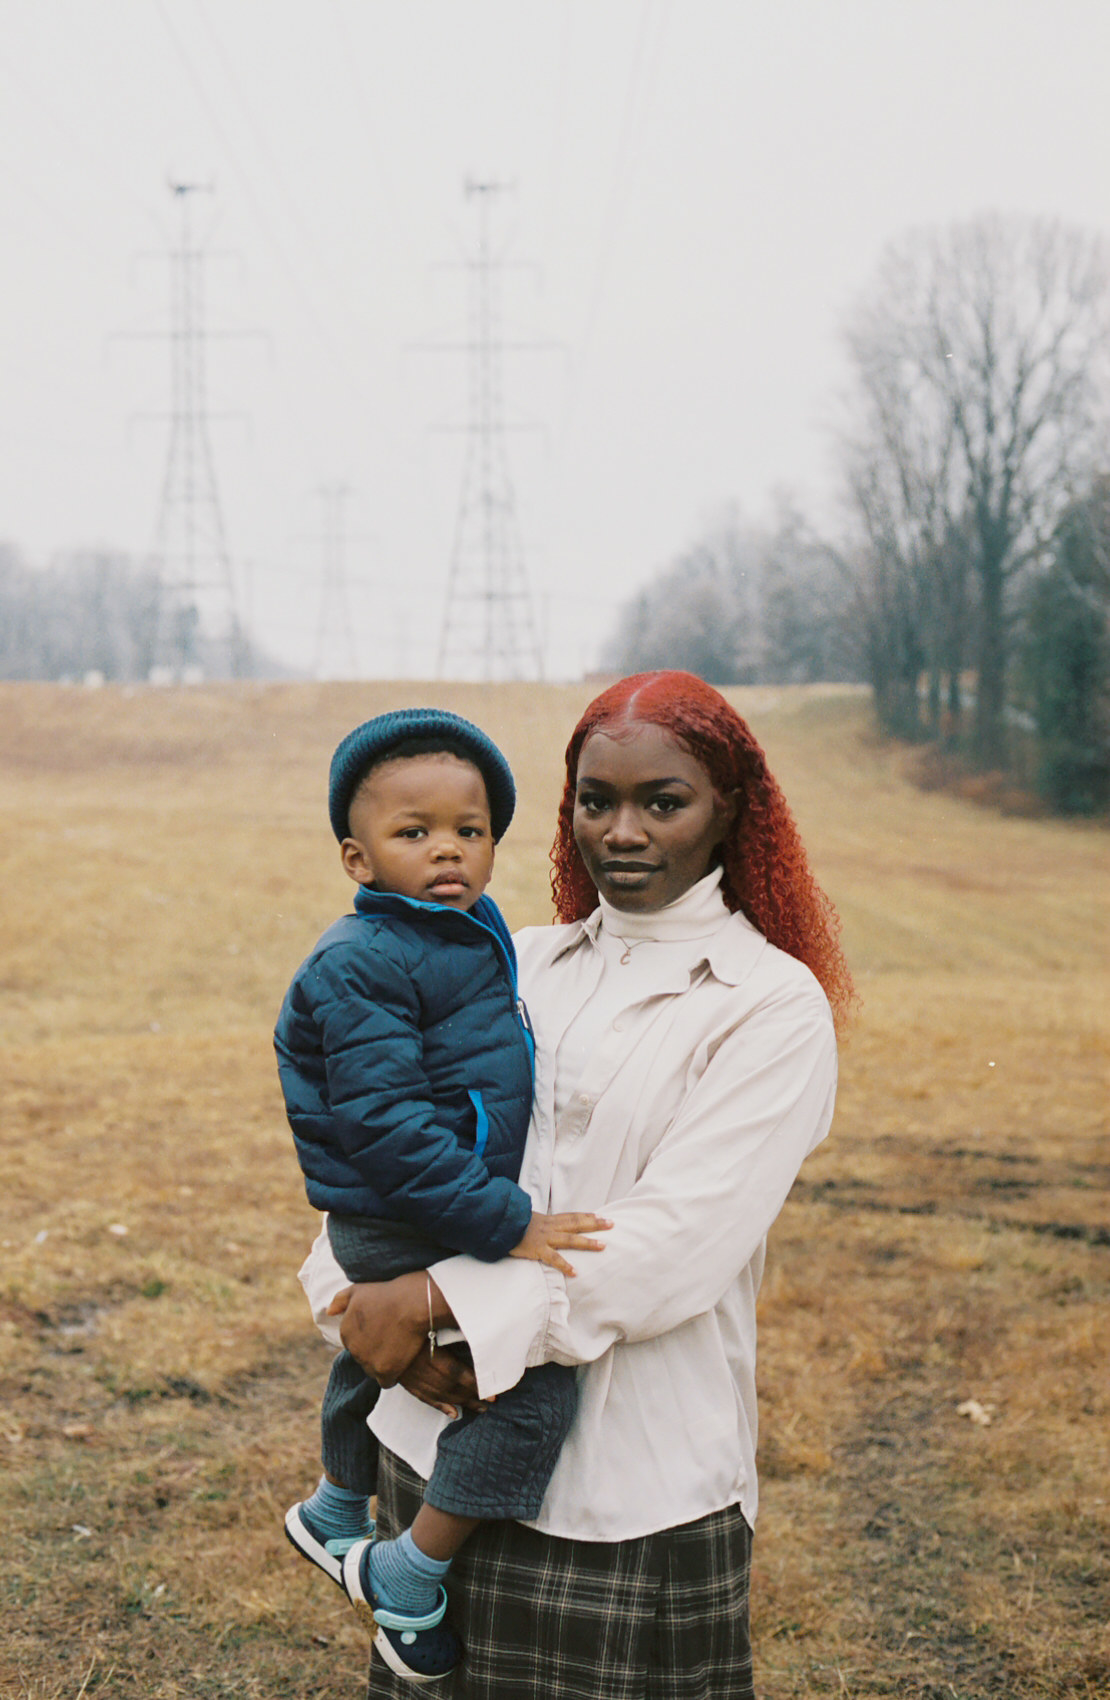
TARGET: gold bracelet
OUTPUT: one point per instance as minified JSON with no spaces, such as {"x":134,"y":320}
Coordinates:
{"x":432,"y":1341}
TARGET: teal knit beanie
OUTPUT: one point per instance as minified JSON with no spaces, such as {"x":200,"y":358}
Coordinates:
{"x":372,"y":741}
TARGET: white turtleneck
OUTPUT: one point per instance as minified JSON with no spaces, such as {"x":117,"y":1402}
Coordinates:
{"x":639,"y":952}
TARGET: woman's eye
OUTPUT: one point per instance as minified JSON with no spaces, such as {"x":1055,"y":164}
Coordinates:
{"x":665,"y":805}
{"x":592,"y":805}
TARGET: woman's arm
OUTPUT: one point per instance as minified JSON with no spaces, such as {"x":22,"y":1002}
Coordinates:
{"x":698,"y":1213}
{"x":355,"y":1315}
{"x":385,"y":1324}
{"x":380,"y":1322}
{"x":330,"y":1295}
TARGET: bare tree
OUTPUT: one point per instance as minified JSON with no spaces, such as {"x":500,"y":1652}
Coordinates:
{"x":744,"y":606}
{"x":805,"y":605}
{"x":700,"y":613}
{"x":979,"y":359}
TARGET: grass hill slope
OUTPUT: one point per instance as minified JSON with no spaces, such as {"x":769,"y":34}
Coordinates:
{"x":934,"y":1396}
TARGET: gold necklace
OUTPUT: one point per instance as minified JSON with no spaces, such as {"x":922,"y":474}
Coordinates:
{"x":630,"y":945}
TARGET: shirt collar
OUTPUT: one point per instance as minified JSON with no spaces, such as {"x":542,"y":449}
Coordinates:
{"x":731,"y":953}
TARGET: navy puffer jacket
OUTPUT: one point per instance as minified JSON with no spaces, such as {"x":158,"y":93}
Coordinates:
{"x":406,"y":1064}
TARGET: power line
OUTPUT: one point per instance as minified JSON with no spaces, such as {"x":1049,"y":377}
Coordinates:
{"x":643,"y":56}
{"x":364,"y":106}
{"x":248,"y":188}
{"x":87,"y":152}
{"x":309,"y":239}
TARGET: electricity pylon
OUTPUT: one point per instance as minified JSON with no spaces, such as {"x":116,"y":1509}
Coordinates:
{"x":198,"y":615}
{"x":489,"y":624}
{"x":335,"y":632}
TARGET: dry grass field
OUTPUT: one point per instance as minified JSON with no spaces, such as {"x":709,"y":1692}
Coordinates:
{"x":166,"y":862}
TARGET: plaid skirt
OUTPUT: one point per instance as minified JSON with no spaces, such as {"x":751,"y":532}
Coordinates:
{"x":664,"y":1617}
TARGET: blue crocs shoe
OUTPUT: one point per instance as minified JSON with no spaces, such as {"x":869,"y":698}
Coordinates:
{"x":310,"y":1543}
{"x":421,"y":1649}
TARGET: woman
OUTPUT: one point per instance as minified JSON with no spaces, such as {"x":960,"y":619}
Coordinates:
{"x":686,"y":1065}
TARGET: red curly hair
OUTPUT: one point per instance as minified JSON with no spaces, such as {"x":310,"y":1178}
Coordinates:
{"x":766,"y":874}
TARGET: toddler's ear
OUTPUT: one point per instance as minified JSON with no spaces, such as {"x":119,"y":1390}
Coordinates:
{"x":356,"y":862}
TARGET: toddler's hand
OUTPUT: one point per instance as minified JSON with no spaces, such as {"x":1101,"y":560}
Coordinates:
{"x":546,"y":1234}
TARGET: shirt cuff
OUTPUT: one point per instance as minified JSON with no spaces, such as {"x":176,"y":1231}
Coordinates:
{"x":321,"y":1277}
{"x":502,"y":1309}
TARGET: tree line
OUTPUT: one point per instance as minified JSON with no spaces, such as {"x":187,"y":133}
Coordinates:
{"x":970,"y":586}
{"x":745,"y":605}
{"x":99,"y":613}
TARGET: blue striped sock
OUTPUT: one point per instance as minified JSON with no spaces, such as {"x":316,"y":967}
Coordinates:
{"x":338,"y":1513}
{"x":404,"y":1578}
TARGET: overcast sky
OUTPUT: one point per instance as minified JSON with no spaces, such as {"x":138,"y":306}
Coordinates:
{"x":700,"y":187}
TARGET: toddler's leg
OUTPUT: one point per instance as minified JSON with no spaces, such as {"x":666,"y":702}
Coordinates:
{"x":348,"y":1449}
{"x":324,"y":1527}
{"x":396,"y":1587}
{"x":493,"y":1464}
{"x":407,"y":1573}
{"x":498,"y":1463}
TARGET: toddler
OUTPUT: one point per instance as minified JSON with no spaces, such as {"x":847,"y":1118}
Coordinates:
{"x":406,"y":1059}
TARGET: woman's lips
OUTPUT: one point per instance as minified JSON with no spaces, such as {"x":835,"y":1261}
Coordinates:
{"x":625,"y":872}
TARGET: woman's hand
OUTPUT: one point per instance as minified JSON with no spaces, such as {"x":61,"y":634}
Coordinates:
{"x":442,"y":1380}
{"x":384,"y":1325}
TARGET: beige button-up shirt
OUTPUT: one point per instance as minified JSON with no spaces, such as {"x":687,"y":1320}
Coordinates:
{"x":687,"y":1127}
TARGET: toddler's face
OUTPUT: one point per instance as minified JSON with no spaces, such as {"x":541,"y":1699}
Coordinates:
{"x":420,"y":827}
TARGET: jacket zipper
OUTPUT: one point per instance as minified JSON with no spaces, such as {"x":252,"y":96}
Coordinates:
{"x":510,"y":974}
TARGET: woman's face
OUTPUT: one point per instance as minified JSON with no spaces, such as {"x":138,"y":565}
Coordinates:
{"x":646,"y":817}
